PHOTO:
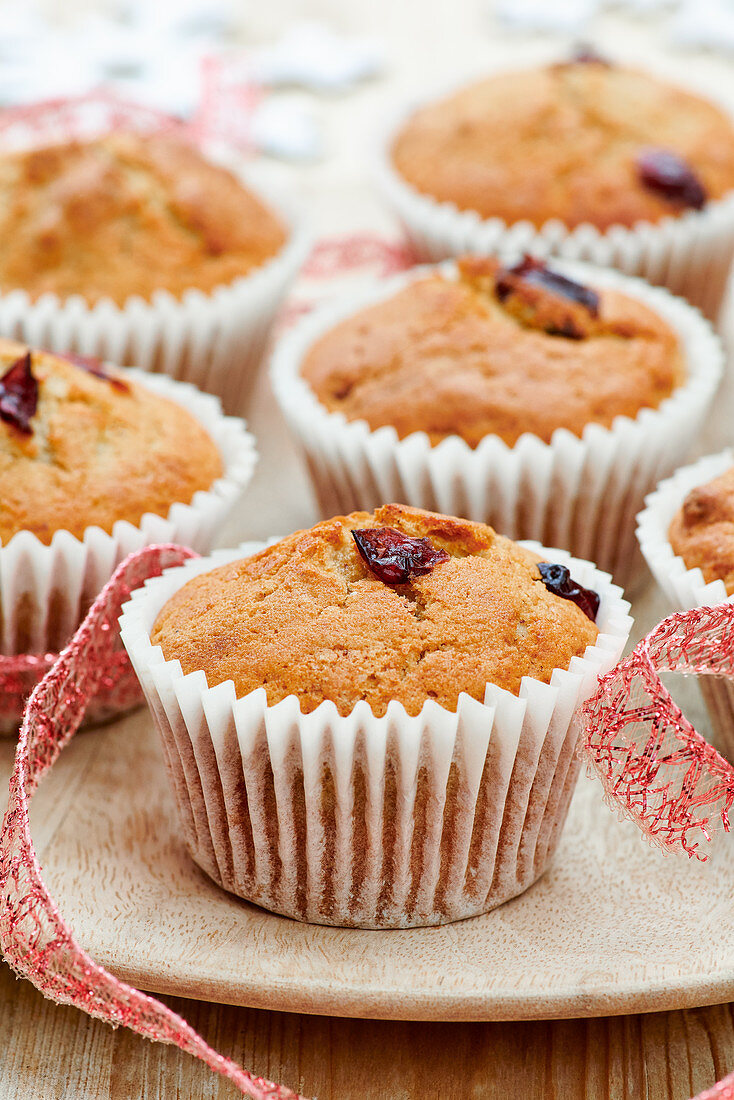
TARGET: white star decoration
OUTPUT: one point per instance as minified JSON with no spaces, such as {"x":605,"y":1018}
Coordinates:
{"x":695,"y":24}
{"x":313,"y":56}
{"x":569,"y":17}
{"x":287,"y":128}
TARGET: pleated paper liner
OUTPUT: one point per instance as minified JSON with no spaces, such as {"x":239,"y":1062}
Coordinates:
{"x":686,"y":588}
{"x":213,"y":339}
{"x":580,"y":493}
{"x":653,"y":765}
{"x":689,"y":253}
{"x":45,"y":590}
{"x":363,"y":821}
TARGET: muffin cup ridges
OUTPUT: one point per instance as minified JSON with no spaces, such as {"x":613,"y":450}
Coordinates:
{"x":578,"y":493}
{"x":686,"y":588}
{"x":213,"y":339}
{"x":46,"y":589}
{"x":363,"y":821}
{"x":690,"y":254}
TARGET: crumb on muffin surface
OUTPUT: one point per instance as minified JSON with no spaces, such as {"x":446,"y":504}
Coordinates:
{"x":561,"y":142}
{"x":308,"y":617}
{"x":448,"y":357}
{"x":96,"y":452}
{"x":125,"y":215}
{"x":702,"y":530}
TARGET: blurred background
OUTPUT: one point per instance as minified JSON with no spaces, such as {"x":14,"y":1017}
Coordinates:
{"x":304,"y":86}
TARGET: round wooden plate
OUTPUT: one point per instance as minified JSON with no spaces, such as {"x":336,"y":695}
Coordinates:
{"x":614,"y":927}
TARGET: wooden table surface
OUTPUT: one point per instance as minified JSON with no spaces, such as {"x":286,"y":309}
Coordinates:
{"x":49,"y":1052}
{"x":59,"y":1053}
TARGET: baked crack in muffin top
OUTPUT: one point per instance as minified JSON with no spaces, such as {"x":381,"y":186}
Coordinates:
{"x":496,"y":351}
{"x":127,"y":215}
{"x":323,"y":614}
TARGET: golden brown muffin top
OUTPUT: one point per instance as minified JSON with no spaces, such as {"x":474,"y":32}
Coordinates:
{"x":308,"y":617}
{"x":495,"y":352}
{"x":124,"y":215}
{"x":702,"y":530}
{"x":78,"y":449}
{"x":563,"y":142}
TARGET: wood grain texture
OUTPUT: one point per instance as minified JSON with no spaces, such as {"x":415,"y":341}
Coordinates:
{"x":58,"y":1053}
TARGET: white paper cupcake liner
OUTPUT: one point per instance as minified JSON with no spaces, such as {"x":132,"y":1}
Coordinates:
{"x":578,"y":493}
{"x":364,"y":821}
{"x":686,"y":588}
{"x":45,"y":589}
{"x":213,"y":339}
{"x":690,"y":254}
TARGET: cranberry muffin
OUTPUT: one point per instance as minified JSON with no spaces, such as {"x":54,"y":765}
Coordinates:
{"x":543,"y":399}
{"x":581,"y":142}
{"x":373,"y":722}
{"x":95,"y":464}
{"x":496,"y":351}
{"x":398,"y":604}
{"x":85,"y":446}
{"x":583,"y":159}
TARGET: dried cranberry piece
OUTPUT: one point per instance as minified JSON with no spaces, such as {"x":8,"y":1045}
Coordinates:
{"x":584,"y":53}
{"x":558,"y":580}
{"x":669,"y":175}
{"x":95,"y":366}
{"x":535,"y":272}
{"x":19,"y":395}
{"x":393,"y":557}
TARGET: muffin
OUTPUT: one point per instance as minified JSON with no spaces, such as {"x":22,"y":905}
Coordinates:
{"x":702,"y":530}
{"x":371,"y":722}
{"x":127,"y":214}
{"x":543,"y":400}
{"x":95,"y":463}
{"x":686,"y":534}
{"x":585,"y":159}
{"x":138,"y":249}
{"x":498,"y":351}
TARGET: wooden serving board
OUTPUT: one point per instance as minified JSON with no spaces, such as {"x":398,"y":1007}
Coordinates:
{"x":614,"y":927}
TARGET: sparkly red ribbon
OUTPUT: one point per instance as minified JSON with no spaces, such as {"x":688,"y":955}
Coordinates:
{"x":35,"y":940}
{"x":651,"y":761}
{"x":117,"y":692}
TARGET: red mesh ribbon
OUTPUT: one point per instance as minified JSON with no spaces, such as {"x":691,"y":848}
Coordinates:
{"x":724,"y":1090}
{"x":333,"y":256}
{"x":118,"y":690}
{"x":652,"y":762}
{"x":228,"y":100}
{"x":34,"y":938}
{"x":54,"y":120}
